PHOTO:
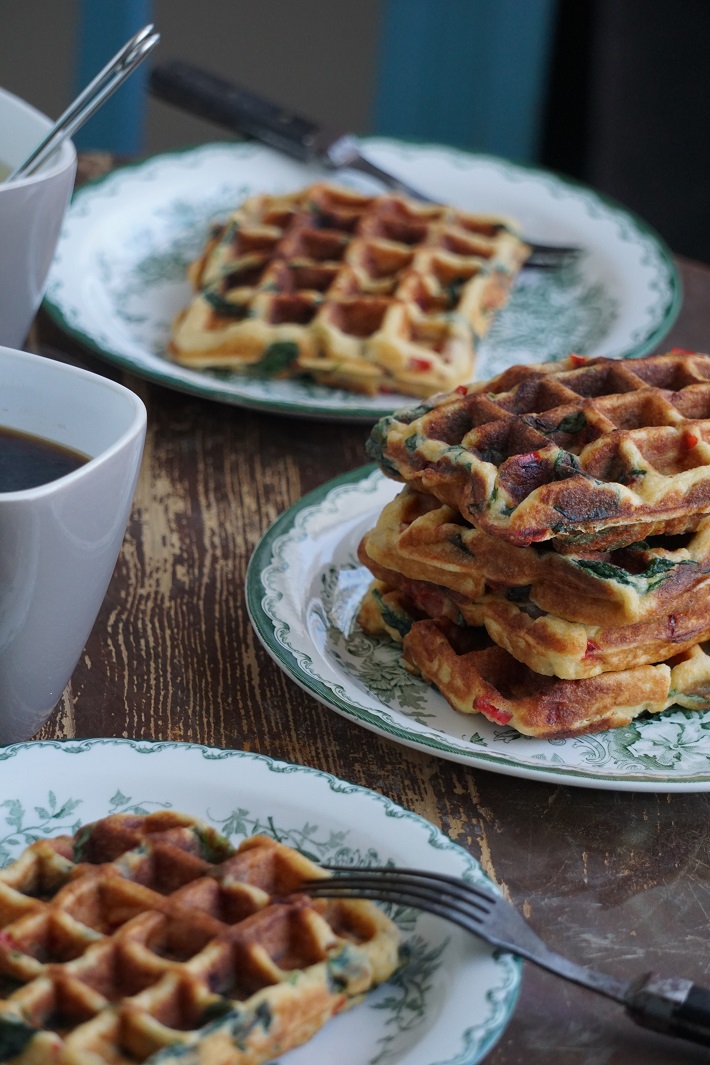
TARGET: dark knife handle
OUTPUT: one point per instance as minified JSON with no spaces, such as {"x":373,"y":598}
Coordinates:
{"x":205,"y":95}
{"x":670,"y":1005}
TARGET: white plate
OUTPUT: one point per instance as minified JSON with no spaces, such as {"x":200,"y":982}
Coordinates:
{"x":304,"y":586}
{"x":448,"y":1006}
{"x":118,"y":278}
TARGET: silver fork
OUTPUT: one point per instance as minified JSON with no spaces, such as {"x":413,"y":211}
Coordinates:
{"x":666,"y":1004}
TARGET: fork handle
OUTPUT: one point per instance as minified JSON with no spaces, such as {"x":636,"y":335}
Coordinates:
{"x":207,"y":96}
{"x":671,"y":1005}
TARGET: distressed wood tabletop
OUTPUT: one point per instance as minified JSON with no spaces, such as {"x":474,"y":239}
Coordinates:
{"x":614,"y":879}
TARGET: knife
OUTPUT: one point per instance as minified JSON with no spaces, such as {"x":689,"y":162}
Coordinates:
{"x":241,"y":111}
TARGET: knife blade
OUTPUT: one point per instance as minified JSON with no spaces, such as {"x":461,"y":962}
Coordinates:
{"x":241,"y":111}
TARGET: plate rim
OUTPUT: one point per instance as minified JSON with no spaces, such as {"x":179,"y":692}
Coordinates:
{"x":255,"y":592}
{"x":209,"y":388}
{"x":502,"y":996}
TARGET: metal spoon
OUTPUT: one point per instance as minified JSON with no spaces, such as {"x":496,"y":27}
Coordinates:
{"x":93,"y":96}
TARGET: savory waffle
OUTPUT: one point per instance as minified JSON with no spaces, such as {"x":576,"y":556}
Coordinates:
{"x":151,"y":939}
{"x":422,"y":539}
{"x":368,"y":293}
{"x":542,"y":641}
{"x":599,"y":452}
{"x":475,"y":675}
{"x":478,"y":678}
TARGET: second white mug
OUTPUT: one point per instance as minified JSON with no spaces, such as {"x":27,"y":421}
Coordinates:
{"x":31,"y":213}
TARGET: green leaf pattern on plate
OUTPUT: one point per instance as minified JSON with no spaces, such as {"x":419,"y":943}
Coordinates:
{"x":678,"y":740}
{"x":407,"y":997}
{"x":375,"y":663}
{"x":48,"y":820}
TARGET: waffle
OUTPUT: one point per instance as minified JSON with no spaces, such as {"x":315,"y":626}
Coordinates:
{"x":151,"y":939}
{"x":367,"y":293}
{"x":542,"y":641}
{"x":476,"y":676}
{"x":422,"y":539}
{"x":596,"y":452}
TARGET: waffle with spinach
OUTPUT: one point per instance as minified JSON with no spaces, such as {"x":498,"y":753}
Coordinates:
{"x":422,"y":539}
{"x":597,"y":452}
{"x":366,"y":293}
{"x":151,"y":939}
{"x":543,"y":641}
{"x":476,"y":676}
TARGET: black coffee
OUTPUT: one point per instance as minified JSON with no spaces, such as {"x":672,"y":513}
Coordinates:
{"x":27,"y":461}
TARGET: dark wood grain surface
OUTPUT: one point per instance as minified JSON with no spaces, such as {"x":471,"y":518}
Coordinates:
{"x":615,"y":879}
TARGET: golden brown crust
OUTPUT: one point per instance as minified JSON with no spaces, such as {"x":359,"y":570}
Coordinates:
{"x":545,"y":643}
{"x":571,"y":651}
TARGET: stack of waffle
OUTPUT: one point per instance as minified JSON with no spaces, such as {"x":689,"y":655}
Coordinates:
{"x":150,"y":939}
{"x":367,"y":293}
{"x":548,"y":562}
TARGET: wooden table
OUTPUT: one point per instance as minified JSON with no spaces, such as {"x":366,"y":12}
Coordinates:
{"x":618,"y":880}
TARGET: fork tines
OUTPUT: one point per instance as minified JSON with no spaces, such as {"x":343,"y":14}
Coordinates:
{"x":436,"y":893}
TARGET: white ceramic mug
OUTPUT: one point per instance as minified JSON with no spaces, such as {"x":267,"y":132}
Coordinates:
{"x":31,"y":213}
{"x":59,"y":541}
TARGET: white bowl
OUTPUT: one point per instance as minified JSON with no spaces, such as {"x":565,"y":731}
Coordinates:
{"x":31,"y":213}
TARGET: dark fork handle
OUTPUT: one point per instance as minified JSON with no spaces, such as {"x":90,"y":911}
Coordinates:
{"x":671,"y":1005}
{"x":551,"y":256}
{"x":207,"y":96}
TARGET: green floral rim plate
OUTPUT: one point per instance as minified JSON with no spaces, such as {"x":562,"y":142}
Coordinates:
{"x":447,"y":1006}
{"x":304,"y":585}
{"x":118,"y":278}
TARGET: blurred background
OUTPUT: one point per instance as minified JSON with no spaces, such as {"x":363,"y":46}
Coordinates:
{"x":615,"y":93}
